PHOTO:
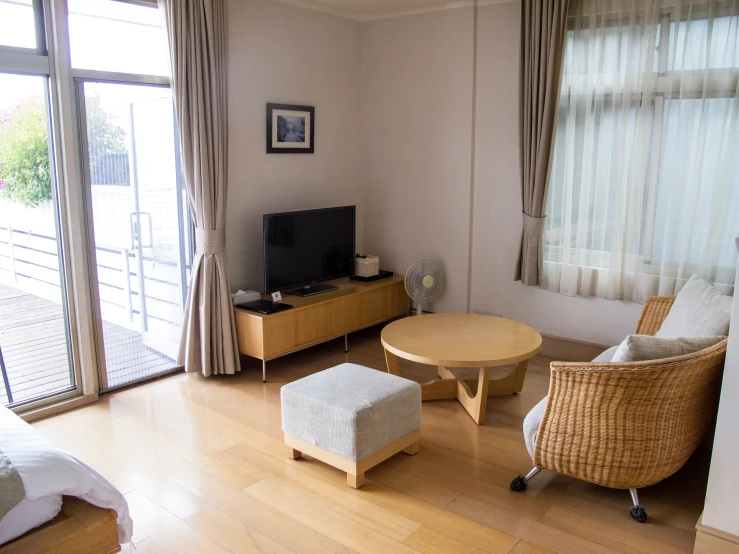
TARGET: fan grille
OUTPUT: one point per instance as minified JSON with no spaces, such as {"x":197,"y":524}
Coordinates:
{"x":424,"y":281}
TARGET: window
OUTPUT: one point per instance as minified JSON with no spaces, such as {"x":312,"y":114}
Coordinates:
{"x":17,"y":24}
{"x":35,"y":347}
{"x":108,"y":35}
{"x":644,"y":185}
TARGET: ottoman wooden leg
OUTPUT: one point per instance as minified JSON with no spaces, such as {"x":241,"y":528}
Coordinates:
{"x":413,"y":448}
{"x":355,"y":481}
{"x":293,"y":454}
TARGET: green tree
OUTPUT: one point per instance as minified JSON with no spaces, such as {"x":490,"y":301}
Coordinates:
{"x":24,"y":154}
{"x":104,"y":135}
{"x":25,"y":174}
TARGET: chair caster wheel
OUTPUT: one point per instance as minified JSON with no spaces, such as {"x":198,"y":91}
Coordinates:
{"x":518,"y":484}
{"x":637,"y":513}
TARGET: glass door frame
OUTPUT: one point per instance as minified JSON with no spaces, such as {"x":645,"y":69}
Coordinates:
{"x":81,"y":77}
{"x":41,"y":62}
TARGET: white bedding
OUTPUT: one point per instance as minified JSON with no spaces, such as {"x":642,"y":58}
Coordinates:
{"x":28,"y":514}
{"x":48,"y":473}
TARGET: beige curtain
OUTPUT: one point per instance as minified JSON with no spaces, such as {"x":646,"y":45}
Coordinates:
{"x":543,"y":31}
{"x":197,"y":43}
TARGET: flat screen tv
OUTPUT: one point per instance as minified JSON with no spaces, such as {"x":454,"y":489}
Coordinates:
{"x":304,"y":249}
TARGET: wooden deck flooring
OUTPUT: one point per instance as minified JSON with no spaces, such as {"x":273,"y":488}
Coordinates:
{"x":34,"y":349}
{"x":204,"y":468}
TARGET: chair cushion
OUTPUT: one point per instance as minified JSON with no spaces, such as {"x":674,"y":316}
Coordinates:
{"x":606,"y":356}
{"x":637,"y":348}
{"x":531,"y":425}
{"x":351,"y":410}
{"x":700,"y":310}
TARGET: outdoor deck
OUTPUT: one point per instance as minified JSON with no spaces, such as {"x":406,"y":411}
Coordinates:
{"x":34,"y":349}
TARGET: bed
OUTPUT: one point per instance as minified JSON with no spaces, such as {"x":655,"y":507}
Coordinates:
{"x":52,"y":502}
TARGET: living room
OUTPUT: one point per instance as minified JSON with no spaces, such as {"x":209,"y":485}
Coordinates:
{"x":418,"y":110}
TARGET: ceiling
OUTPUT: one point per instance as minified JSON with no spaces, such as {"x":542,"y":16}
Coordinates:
{"x":367,"y":10}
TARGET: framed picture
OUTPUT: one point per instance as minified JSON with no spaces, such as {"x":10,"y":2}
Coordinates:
{"x":290,"y":129}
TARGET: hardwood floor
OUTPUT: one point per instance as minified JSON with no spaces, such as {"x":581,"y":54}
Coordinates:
{"x":204,"y":469}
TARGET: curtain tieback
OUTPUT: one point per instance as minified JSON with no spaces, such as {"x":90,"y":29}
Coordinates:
{"x":210,"y":241}
{"x":533,"y":225}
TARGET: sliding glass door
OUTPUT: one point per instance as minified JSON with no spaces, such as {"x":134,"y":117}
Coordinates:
{"x":35,"y":348}
{"x":140,"y":226}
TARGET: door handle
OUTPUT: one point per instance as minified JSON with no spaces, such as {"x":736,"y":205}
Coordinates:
{"x":151,"y":229}
{"x":136,"y":232}
{"x":134,"y":229}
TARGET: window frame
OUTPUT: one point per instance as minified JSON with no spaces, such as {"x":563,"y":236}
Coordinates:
{"x":40,"y":33}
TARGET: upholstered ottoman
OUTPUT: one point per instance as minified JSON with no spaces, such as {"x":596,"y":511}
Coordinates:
{"x":351,"y":417}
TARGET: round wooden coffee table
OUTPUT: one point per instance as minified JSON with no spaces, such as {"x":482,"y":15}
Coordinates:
{"x":463,"y":340}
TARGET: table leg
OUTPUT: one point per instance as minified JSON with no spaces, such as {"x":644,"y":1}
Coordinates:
{"x":520,"y":376}
{"x":510,"y":384}
{"x":392,"y":363}
{"x":477,"y":403}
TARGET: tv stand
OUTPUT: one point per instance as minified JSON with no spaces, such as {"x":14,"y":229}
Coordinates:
{"x":310,"y":290}
{"x":352,"y":306}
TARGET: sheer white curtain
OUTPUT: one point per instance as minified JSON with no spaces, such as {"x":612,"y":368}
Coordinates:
{"x":644,"y":187}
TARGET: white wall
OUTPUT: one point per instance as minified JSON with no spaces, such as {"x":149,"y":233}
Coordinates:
{"x":417,"y":113}
{"x":281,"y":53}
{"x":417,"y":75}
{"x":723,"y":480}
{"x":497,"y":213}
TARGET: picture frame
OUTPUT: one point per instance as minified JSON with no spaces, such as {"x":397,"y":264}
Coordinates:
{"x":290,"y":129}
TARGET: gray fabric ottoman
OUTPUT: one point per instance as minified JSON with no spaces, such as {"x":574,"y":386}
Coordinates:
{"x":351,"y":417}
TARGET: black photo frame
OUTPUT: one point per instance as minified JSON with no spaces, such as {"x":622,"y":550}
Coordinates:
{"x":290,"y":129}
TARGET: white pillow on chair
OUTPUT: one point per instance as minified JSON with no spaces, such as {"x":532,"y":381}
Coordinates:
{"x":607,"y":355}
{"x":700,"y":310}
{"x":638,"y":348}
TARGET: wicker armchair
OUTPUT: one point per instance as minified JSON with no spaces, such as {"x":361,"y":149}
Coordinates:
{"x":628,"y":425}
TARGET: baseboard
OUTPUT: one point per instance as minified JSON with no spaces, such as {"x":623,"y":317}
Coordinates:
{"x":570,"y":350}
{"x":712,"y":541}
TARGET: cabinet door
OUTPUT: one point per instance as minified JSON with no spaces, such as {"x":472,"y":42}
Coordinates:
{"x":373,"y":306}
{"x":345,"y":314}
{"x":396,"y":300}
{"x":313,"y":324}
{"x":279,"y":334}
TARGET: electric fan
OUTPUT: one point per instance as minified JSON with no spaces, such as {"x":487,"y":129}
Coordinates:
{"x":423,"y":282}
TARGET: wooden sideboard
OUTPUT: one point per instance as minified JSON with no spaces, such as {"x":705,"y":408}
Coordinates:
{"x":316,"y":319}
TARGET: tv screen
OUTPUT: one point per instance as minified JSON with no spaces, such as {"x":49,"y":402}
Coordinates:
{"x":312,"y":246}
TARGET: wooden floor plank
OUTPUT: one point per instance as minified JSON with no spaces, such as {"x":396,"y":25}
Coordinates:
{"x":232,"y":534}
{"x":353,"y":533}
{"x":268,"y":521}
